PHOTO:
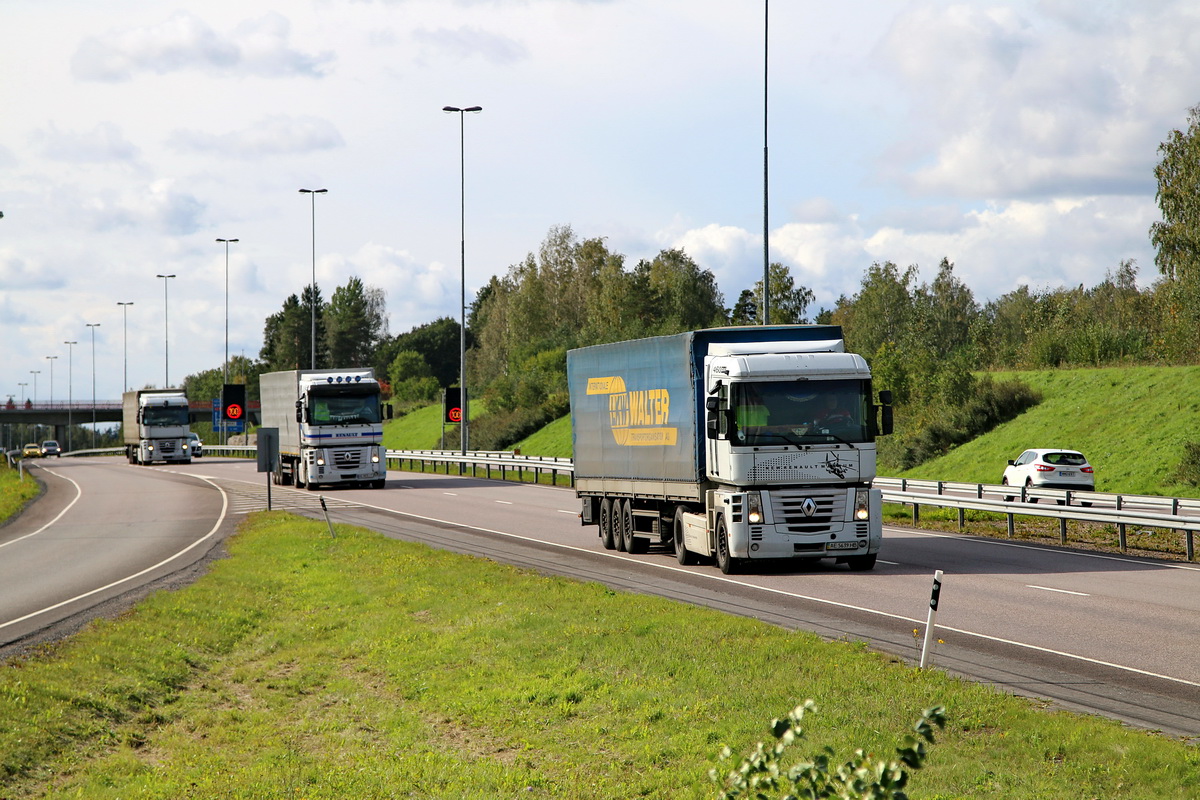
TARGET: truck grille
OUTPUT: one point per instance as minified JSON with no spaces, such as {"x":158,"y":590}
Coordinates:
{"x":347,"y":459}
{"x":789,"y":509}
{"x":166,"y":446}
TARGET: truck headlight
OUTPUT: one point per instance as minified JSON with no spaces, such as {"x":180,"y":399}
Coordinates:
{"x":374,"y":458}
{"x":862,"y":504}
{"x":754,"y":508}
{"x":320,"y":461}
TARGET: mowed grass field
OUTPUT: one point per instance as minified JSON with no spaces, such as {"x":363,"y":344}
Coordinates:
{"x":305,"y":666}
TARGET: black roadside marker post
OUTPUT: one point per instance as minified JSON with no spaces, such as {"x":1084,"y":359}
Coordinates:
{"x":929,"y":622}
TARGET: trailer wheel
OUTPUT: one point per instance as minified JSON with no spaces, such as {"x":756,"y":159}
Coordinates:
{"x":682,"y":554}
{"x":623,"y":525}
{"x":606,"y":523}
{"x":725,"y":562}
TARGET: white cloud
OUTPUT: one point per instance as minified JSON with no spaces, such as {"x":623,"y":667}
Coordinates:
{"x":468,"y":41}
{"x":185,"y":42}
{"x":104,"y":143}
{"x":274,"y":135}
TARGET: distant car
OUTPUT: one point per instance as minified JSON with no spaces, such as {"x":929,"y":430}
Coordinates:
{"x":51,"y":448}
{"x":195,"y":445}
{"x":1050,"y":469}
{"x":31,"y":450}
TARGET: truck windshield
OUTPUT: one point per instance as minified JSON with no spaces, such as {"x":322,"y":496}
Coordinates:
{"x":165,"y":415}
{"x":344,"y":410}
{"x":800,"y":412}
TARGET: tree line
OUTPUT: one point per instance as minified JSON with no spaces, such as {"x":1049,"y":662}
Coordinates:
{"x":925,"y":340}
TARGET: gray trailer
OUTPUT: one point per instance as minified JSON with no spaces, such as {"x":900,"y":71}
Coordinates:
{"x":725,"y":443}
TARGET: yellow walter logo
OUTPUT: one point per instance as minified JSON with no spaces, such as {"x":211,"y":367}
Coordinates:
{"x":638,"y":417}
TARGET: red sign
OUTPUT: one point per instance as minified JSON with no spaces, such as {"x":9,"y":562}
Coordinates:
{"x":454,"y":414}
{"x":233,"y":411}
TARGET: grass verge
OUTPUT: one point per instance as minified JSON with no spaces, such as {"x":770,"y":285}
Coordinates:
{"x":317,"y":667}
{"x":15,"y":491}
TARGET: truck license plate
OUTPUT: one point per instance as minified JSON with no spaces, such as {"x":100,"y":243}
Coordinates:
{"x":842,"y":546}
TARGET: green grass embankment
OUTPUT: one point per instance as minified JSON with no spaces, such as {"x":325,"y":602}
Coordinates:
{"x":1130,"y":422}
{"x":15,"y":491}
{"x":304,"y":666}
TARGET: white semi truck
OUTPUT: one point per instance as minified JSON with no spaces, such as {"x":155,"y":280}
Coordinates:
{"x":156,"y":423}
{"x":330,"y":426}
{"x":734,"y":444}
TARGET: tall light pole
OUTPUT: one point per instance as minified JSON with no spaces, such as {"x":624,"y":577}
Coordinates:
{"x":312,"y":193}
{"x":227,"y":241}
{"x":766,"y":298}
{"x":125,"y":343}
{"x":51,"y":359}
{"x":224,"y":430}
{"x":166,"y":335}
{"x":93,"y":326}
{"x":462,"y":331}
{"x":35,"y":373}
{"x":70,"y":388}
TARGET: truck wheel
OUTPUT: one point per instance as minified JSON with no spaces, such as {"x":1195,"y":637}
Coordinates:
{"x":606,"y":524}
{"x":622,"y":525}
{"x":296,"y":477}
{"x":861,"y":563}
{"x":682,"y":554}
{"x":725,"y":562}
{"x":634,"y":544}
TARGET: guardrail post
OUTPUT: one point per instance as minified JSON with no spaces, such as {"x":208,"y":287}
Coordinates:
{"x":1062,"y":530}
{"x":962,"y":519}
{"x":1011,"y":526}
{"x":916,"y":514}
{"x":1191,"y":550}
{"x":979,"y":491}
{"x":939,"y":487}
{"x":1121,"y":540}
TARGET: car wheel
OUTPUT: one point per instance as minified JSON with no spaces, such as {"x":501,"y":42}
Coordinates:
{"x":1028,"y":486}
{"x":1008,"y":498}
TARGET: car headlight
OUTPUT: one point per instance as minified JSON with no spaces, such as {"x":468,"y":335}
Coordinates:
{"x":862,"y":504}
{"x":754,"y":511}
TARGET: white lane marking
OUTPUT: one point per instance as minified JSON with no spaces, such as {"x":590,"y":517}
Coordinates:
{"x":996,"y":543}
{"x":1060,"y":591}
{"x":78,"y":494}
{"x":795,"y":595}
{"x":212,"y":532}
{"x":892,"y":563}
{"x":451,"y":494}
{"x":505,"y":502}
{"x":572,"y":513}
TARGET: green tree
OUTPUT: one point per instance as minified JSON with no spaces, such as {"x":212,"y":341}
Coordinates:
{"x":355,"y":324}
{"x":745,"y":310}
{"x":1177,"y":236}
{"x":789,"y":302}
{"x":412,"y":381}
{"x":686,"y":297}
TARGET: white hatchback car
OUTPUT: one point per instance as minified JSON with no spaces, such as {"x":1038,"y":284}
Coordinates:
{"x":1050,"y":469}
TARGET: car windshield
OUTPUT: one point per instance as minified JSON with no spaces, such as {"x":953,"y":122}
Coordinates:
{"x":1065,"y":459}
{"x":783,"y":412}
{"x":165,"y":415}
{"x":345,"y":409}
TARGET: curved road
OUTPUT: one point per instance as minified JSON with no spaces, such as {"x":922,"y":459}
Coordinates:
{"x":1095,"y":632}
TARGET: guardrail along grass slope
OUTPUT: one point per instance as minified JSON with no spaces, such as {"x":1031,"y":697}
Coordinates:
{"x":1130,"y":422}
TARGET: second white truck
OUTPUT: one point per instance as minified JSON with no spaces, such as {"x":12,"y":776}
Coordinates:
{"x":330,"y":426}
{"x":156,"y":423}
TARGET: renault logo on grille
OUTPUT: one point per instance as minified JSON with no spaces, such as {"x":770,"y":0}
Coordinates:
{"x":808,"y":507}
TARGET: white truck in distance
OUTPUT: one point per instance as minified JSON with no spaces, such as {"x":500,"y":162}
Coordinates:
{"x":330,"y":426}
{"x":155,"y":425}
{"x":734,"y":444}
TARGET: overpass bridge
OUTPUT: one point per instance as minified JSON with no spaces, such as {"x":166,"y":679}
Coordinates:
{"x":61,"y":414}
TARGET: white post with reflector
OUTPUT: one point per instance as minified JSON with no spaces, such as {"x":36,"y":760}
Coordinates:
{"x":929,"y":622}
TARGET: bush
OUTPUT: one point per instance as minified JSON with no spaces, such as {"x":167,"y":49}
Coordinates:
{"x":761,"y":775}
{"x":1188,"y":470}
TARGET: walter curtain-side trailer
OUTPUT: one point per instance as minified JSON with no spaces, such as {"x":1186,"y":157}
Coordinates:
{"x":730,"y":443}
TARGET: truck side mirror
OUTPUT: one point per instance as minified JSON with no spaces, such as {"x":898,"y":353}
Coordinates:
{"x":885,"y":397}
{"x":887,"y":420}
{"x":387,"y":411}
{"x":299,"y":411}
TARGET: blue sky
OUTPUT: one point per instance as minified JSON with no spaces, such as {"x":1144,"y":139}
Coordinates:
{"x":1016,"y":139}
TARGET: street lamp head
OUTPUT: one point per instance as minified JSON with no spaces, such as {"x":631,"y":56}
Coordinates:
{"x":124,"y":304}
{"x":310,"y":191}
{"x":70,"y":342}
{"x":227,"y":241}
{"x":472,"y":109}
{"x":164,"y":276}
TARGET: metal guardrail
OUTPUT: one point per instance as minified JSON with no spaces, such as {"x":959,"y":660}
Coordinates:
{"x":1144,"y":511}
{"x":504,"y":461}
